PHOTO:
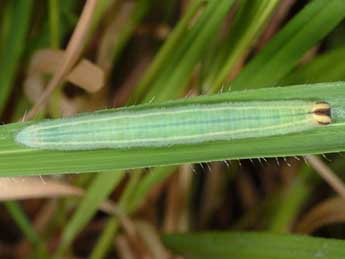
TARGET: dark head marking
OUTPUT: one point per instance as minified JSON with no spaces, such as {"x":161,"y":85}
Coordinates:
{"x":322,"y":113}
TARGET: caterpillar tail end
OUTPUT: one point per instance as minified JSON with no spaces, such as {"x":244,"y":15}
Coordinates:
{"x":26,"y":137}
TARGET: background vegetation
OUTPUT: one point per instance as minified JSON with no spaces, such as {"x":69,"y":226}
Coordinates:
{"x":62,"y":57}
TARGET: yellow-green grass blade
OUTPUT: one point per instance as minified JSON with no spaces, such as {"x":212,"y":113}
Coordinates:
{"x":168,"y":49}
{"x":248,"y":23}
{"x":326,"y":67}
{"x":13,"y":44}
{"x":100,"y":188}
{"x":253,"y":245}
{"x":172,"y":81}
{"x":284,"y":51}
{"x":23,"y":223}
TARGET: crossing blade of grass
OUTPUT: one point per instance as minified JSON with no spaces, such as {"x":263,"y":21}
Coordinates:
{"x":253,"y":245}
{"x":129,"y":206}
{"x":327,"y":67}
{"x":46,"y":38}
{"x":111,"y":227}
{"x":54,"y":24}
{"x":190,"y":52}
{"x":140,"y":10}
{"x":13,"y":45}
{"x":283,"y":52}
{"x":25,"y":226}
{"x":101,"y":187}
{"x":106,"y":238}
{"x":16,"y":159}
{"x":154,"y":177}
{"x":166,"y":51}
{"x":248,"y":23}
{"x":100,"y":10}
{"x":292,"y":200}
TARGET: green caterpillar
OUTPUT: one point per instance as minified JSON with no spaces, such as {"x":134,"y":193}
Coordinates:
{"x":177,"y":125}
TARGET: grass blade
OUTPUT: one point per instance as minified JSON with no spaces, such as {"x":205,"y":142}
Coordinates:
{"x":101,"y":187}
{"x":247,"y":25}
{"x":18,"y":160}
{"x":254,"y":245}
{"x":280,"y":55}
{"x":174,"y":77}
{"x":13,"y":46}
{"x":327,"y":67}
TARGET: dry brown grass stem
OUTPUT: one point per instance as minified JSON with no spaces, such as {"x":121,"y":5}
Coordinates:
{"x":327,"y":174}
{"x":73,"y":52}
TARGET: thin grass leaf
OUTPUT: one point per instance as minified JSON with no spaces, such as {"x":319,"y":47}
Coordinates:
{"x":182,"y":62}
{"x":327,"y":67}
{"x":253,"y":245}
{"x":101,"y":187}
{"x":54,"y":24}
{"x":292,"y":200}
{"x":43,"y":38}
{"x":247,"y":25}
{"x":106,"y":238}
{"x":23,"y":223}
{"x":100,"y":11}
{"x":132,"y":198}
{"x":167,"y":50}
{"x":283,"y":52}
{"x":111,"y":227}
{"x":110,"y":230}
{"x":140,"y":10}
{"x":157,"y":175}
{"x":129,"y":206}
{"x":13,"y":45}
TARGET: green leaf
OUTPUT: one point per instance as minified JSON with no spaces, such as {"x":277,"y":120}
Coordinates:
{"x":147,"y":182}
{"x":128,"y":205}
{"x":168,"y":49}
{"x":248,"y":23}
{"x":283,"y":52}
{"x":253,"y":245}
{"x":54,"y":24}
{"x":23,"y":223}
{"x":327,"y":67}
{"x":101,"y":187}
{"x":18,"y":24}
{"x":16,"y":159}
{"x":189,"y":53}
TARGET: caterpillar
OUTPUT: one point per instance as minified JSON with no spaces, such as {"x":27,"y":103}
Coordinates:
{"x":176,"y":125}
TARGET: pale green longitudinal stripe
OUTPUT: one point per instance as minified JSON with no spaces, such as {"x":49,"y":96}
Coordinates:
{"x":74,"y":121}
{"x":170,"y":125}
